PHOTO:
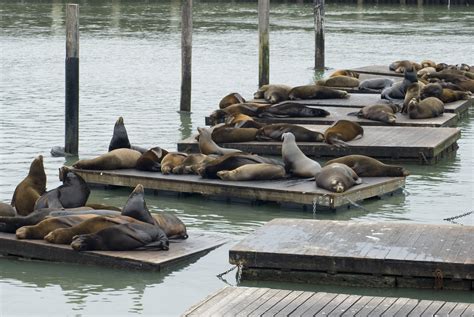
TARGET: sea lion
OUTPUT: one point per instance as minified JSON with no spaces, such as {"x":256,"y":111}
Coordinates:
{"x":427,"y":63}
{"x":248,"y":172}
{"x":273,"y":93}
{"x":365,"y":166}
{"x":337,"y":178}
{"x":6,"y":210}
{"x":191,"y":163}
{"x":345,"y":72}
{"x":231,"y":99}
{"x":236,"y":118}
{"x":316,"y":92}
{"x":375,"y":84}
{"x":292,"y":109}
{"x":274,"y":132}
{"x":441,"y":66}
{"x":427,"y":108}
{"x":120,"y":138}
{"x":339,"y":81}
{"x":296,"y":162}
{"x":136,"y":207}
{"x":226,"y":134}
{"x":426,"y":71}
{"x":467,"y":85}
{"x":208,"y":146}
{"x":73,"y":193}
{"x":412,"y":91}
{"x":379,"y":112}
{"x":171,"y":160}
{"x":151,"y":160}
{"x":429,"y":90}
{"x":248,"y":108}
{"x":398,"y":89}
{"x":464,"y":67}
{"x":102,"y":206}
{"x":30,"y":188}
{"x":115,"y":159}
{"x":402,"y":66}
{"x":123,"y":237}
{"x":171,"y":225}
{"x":342,"y":131}
{"x":450,"y":95}
{"x":451,"y":75}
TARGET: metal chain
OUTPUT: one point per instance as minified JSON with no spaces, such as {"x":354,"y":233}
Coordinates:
{"x":451,"y":219}
{"x":356,"y":205}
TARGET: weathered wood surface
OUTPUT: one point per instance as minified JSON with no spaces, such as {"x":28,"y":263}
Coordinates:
{"x":319,"y":52}
{"x":256,"y":301}
{"x":425,"y":145}
{"x":186,"y":54}
{"x":341,"y":113}
{"x":368,"y":250}
{"x":377,"y":70}
{"x":297,"y":191}
{"x":263,"y":42}
{"x":180,"y":250}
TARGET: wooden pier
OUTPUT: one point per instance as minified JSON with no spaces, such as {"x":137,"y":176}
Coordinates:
{"x":379,"y":70}
{"x":195,"y":246}
{"x":291,"y":191}
{"x":424,"y":145}
{"x":256,"y":301}
{"x":383,"y":254}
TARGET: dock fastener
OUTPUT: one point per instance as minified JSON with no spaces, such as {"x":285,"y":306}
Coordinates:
{"x":438,"y":282}
{"x":423,"y":157}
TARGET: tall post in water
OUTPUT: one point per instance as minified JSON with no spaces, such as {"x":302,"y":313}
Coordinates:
{"x":186,"y":53}
{"x":319,"y":32}
{"x":72,"y":79}
{"x":264,"y":50}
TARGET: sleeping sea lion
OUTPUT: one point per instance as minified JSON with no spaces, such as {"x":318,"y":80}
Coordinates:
{"x":248,"y":172}
{"x":345,"y":72}
{"x":292,"y":109}
{"x":231,"y":99}
{"x":342,"y":131}
{"x":402,"y":66}
{"x":296,"y":162}
{"x":426,"y":71}
{"x":6,"y":210}
{"x":115,"y":159}
{"x":248,"y":108}
{"x":339,"y":81}
{"x":397,"y":91}
{"x":337,"y":178}
{"x":274,"y":132}
{"x":379,"y":112}
{"x":191,"y":163}
{"x":273,"y":93}
{"x":427,"y":108}
{"x":171,"y":225}
{"x":450,"y":95}
{"x":226,"y":134}
{"x":208,"y":146}
{"x":236,"y":118}
{"x":171,"y":160}
{"x":30,"y":188}
{"x":151,"y":160}
{"x":375,"y":84}
{"x":120,"y":138}
{"x":316,"y":92}
{"x":136,"y":207}
{"x":412,"y":91}
{"x":427,"y":63}
{"x":365,"y":166}
{"x":429,"y":90}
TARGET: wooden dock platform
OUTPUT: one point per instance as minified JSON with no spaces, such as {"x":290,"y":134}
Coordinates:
{"x":424,"y":145}
{"x":291,"y":191}
{"x":180,"y":251}
{"x":380,"y":254}
{"x":257,"y":301}
{"x":381,"y":70}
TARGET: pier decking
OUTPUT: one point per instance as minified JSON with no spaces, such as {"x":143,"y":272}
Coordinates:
{"x":256,"y":301}
{"x":425,"y":145}
{"x":359,"y":253}
{"x":180,"y":250}
{"x":294,"y":191}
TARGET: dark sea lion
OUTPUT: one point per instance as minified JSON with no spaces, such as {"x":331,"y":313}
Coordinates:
{"x":231,"y":99}
{"x":452,"y":75}
{"x":345,"y":72}
{"x":226,"y":134}
{"x":207,"y":146}
{"x":430,"y":90}
{"x":467,"y":85}
{"x":171,"y":225}
{"x":337,"y":178}
{"x":375,"y":84}
{"x":450,"y":95}
{"x":73,"y":193}
{"x":274,"y":132}
{"x":6,"y":210}
{"x":365,"y":166}
{"x":191,"y":163}
{"x":273,"y":93}
{"x":296,"y":162}
{"x":382,"y":113}
{"x":464,"y":67}
{"x":123,"y":237}
{"x":339,"y":81}
{"x":441,"y":66}
{"x":248,"y":172}
{"x":316,"y":92}
{"x":115,"y":159}
{"x":292,"y":109}
{"x":136,"y":207}
{"x":427,"y":108}
{"x":120,"y":136}
{"x":171,"y":160}
{"x":342,"y":131}
{"x":398,"y":89}
{"x":151,"y":160}
{"x":249,"y":109}
{"x":412,"y":91}
{"x":30,"y":188}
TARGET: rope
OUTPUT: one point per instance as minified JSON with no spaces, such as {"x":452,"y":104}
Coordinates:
{"x":356,"y":205}
{"x":238,"y":275}
{"x":451,"y":219}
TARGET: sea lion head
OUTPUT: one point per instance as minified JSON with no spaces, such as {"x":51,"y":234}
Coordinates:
{"x":85,"y":242}
{"x":337,"y":186}
{"x":36,"y":172}
{"x":120,"y":136}
{"x":225,"y":175}
{"x":288,"y":136}
{"x":136,"y":207}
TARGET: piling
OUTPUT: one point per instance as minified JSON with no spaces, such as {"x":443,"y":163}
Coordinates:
{"x":264,"y":49}
{"x":186,"y":53}
{"x":319,"y":35}
{"x":72,"y":79}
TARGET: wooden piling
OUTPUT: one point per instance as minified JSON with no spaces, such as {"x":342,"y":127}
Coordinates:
{"x":72,"y":80}
{"x":264,"y":49}
{"x":319,"y":35}
{"x":186,"y":53}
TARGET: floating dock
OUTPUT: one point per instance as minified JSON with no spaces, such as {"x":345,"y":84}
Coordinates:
{"x":379,"y":254}
{"x":379,"y":70}
{"x":180,"y":250}
{"x":424,"y":145}
{"x":291,"y":191}
{"x":256,"y":301}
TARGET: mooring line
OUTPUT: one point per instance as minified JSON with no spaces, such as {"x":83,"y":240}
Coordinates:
{"x":356,"y":205}
{"x":238,"y":275}
{"x":451,"y":219}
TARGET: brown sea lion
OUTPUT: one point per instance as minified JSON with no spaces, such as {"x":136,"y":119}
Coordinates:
{"x":365,"y":166}
{"x":207,"y":146}
{"x":345,"y":72}
{"x":428,"y":63}
{"x":339,"y":81}
{"x":115,"y":159}
{"x":171,"y":160}
{"x":248,"y":172}
{"x":441,"y":66}
{"x":316,"y":92}
{"x":273,"y":93}
{"x":236,"y":118}
{"x":412,"y":91}
{"x":467,"y":85}
{"x":102,"y":206}
{"x":401,"y":66}
{"x":248,"y":108}
{"x":427,"y":108}
{"x":450,"y":95}
{"x":30,"y":188}
{"x":337,"y":178}
{"x":293,"y":109}
{"x":296,"y":162}
{"x":226,"y":134}
{"x":274,"y":132}
{"x":452,"y":75}
{"x":123,"y":237}
{"x":430,"y":90}
{"x":464,"y":67}
{"x":426,"y":71}
{"x":151,"y":160}
{"x":382,"y":113}
{"x":171,"y":225}
{"x":191,"y":163}
{"x":342,"y":131}
{"x":231,"y":99}
{"x":6,"y":210}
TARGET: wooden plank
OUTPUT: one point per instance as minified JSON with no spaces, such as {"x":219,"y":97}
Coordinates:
{"x":406,"y":308}
{"x":180,"y":250}
{"x":383,"y":306}
{"x":345,"y":305}
{"x":354,"y":309}
{"x":223,"y":306}
{"x":259,"y":302}
{"x":267,"y":305}
{"x":245,"y":302}
{"x":433,"y":309}
{"x":292,"y":306}
{"x":469,"y":312}
{"x":377,"y":70}
{"x":319,"y":305}
{"x":459,"y":310}
{"x":283,"y":303}
{"x":420,"y":308}
{"x":282,"y":191}
{"x":446,"y":309}
{"x":210,"y":299}
{"x":370,"y":306}
{"x":306,"y":305}
{"x":395,"y":307}
{"x":335,"y":302}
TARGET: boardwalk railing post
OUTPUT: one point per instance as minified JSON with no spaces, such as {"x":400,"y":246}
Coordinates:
{"x":264,"y":50}
{"x":72,"y":79}
{"x":319,"y":31}
{"x":186,"y":53}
